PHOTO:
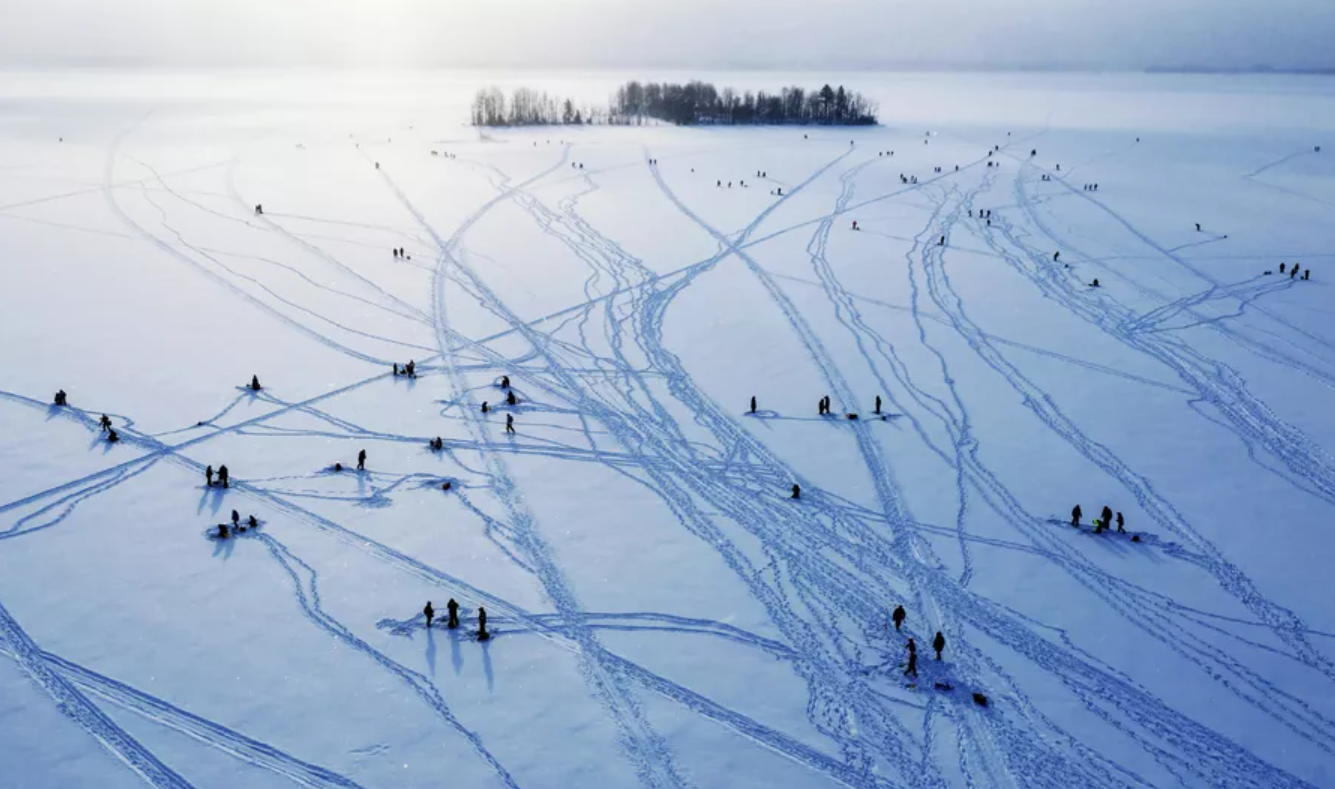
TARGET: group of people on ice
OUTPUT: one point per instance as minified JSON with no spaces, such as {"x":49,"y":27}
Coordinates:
{"x":223,"y":481}
{"x":452,"y":618}
{"x":1101,"y":523}
{"x":400,"y":254}
{"x":409,"y":369}
{"x":237,"y":527}
{"x":1293,"y":272}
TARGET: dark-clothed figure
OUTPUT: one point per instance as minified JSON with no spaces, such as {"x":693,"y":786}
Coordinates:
{"x":898,"y":616}
{"x":482,"y":634}
{"x":510,"y":424}
{"x":797,"y":491}
{"x":1076,"y":514}
{"x":452,"y":610}
{"x":224,"y":478}
{"x":361,"y":460}
{"x":429,"y":613}
{"x":939,"y":643}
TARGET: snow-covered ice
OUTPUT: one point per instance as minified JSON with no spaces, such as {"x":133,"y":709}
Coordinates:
{"x":663,"y":613}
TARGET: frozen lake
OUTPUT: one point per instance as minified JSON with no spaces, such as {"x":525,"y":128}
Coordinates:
{"x":663,"y":612}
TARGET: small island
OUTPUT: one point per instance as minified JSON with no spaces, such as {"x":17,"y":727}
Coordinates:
{"x":690,"y":104}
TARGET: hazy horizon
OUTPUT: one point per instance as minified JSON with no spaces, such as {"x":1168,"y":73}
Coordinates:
{"x":651,"y":34}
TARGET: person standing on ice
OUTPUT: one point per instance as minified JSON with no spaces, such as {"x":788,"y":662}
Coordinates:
{"x":1281,"y":268}
{"x":912,"y":670}
{"x":797,"y":491}
{"x":60,"y":397}
{"x":753,"y":404}
{"x":1307,"y":273}
{"x":485,"y":408}
{"x":939,"y":643}
{"x":505,"y":382}
{"x":411,"y":369}
{"x":254,"y":383}
{"x":429,"y":613}
{"x":510,"y":398}
{"x":1121,"y":524}
{"x":1198,"y":227}
{"x":878,"y":404}
{"x":452,"y":609}
{"x":223,"y":478}
{"x":105,"y":422}
{"x":1056,"y":256}
{"x":510,"y":424}
{"x":361,"y":460}
{"x":1076,"y":515}
{"x":898,"y":617}
{"x":1293,"y":272}
{"x":208,"y":477}
{"x":236,"y":519}
{"x":482,"y":634}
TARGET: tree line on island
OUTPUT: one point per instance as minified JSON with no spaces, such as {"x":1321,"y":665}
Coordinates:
{"x":690,"y":104}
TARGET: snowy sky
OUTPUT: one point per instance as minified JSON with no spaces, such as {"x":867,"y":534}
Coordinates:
{"x":786,"y":34}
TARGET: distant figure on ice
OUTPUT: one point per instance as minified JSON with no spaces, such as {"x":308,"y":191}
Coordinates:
{"x":898,"y":616}
{"x":510,"y":398}
{"x":1307,"y":272}
{"x":361,"y":460}
{"x":105,"y":422}
{"x":452,"y":612}
{"x":753,"y":404}
{"x":505,"y":382}
{"x":60,"y":397}
{"x":1281,"y":268}
{"x":236,"y":519}
{"x":1095,"y":283}
{"x":1076,"y":515}
{"x":942,"y":242}
{"x":1106,"y":515}
{"x":878,"y":404}
{"x":259,"y":210}
{"x":223,"y":478}
{"x":438,"y":443}
{"x":1034,"y":152}
{"x":395,"y":251}
{"x":1121,"y":524}
{"x":855,"y":224}
{"x":411,"y":369}
{"x":939,"y":643}
{"x":429,"y":613}
{"x":396,"y":368}
{"x":208,"y":477}
{"x":113,"y":436}
{"x":1055,"y":256}
{"x":254,"y":383}
{"x":482,"y":634}
{"x":485,"y":408}
{"x":912,"y":670}
{"x":1198,"y":227}
{"x":1292,"y":273}
{"x":252,"y":523}
{"x":797,"y":491}
{"x":510,"y":424}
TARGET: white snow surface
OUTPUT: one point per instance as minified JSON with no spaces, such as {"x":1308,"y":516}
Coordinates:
{"x":663,"y":613}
